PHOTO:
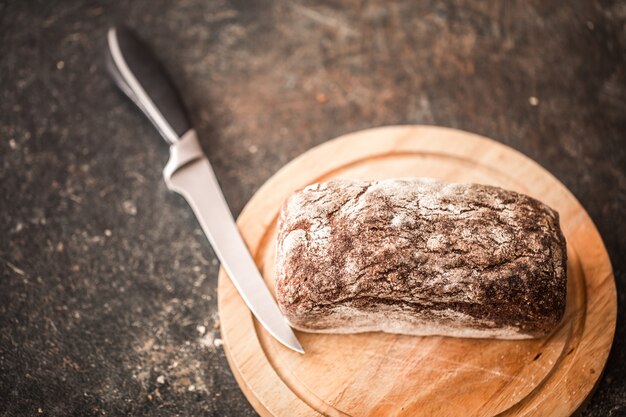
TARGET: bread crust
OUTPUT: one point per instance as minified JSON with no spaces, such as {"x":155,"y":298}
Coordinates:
{"x":419,"y":256}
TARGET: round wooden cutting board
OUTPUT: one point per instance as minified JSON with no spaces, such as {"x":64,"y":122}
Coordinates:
{"x":377,"y":374}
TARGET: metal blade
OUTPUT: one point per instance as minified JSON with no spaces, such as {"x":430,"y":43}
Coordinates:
{"x":197,"y":183}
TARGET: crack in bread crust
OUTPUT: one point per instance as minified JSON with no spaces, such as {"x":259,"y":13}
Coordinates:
{"x":413,"y":255}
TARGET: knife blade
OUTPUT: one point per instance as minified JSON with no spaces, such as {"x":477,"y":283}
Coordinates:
{"x":141,"y":77}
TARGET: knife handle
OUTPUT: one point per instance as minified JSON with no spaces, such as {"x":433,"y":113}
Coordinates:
{"x":139,"y":74}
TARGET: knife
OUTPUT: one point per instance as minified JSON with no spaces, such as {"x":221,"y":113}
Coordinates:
{"x":138,"y":73}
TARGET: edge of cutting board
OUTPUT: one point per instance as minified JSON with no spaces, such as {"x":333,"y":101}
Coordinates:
{"x":268,"y":373}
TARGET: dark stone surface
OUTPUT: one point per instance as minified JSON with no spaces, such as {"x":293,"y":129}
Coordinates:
{"x":105,"y":276}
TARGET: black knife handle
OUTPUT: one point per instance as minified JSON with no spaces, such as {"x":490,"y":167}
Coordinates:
{"x":140,"y":75}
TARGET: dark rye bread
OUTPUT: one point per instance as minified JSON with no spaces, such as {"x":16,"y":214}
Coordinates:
{"x":422,"y":257}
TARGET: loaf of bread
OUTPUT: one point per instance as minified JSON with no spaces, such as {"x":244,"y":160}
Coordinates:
{"x":421,"y":257}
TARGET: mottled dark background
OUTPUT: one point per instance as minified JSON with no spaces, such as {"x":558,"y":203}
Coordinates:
{"x":107,"y":285}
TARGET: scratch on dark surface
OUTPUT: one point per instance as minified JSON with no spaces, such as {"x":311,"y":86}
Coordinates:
{"x":15,"y":269}
{"x":324,"y":19}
